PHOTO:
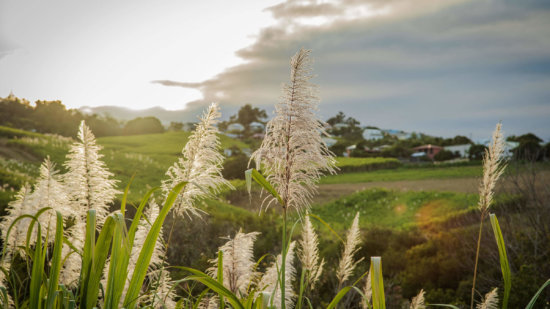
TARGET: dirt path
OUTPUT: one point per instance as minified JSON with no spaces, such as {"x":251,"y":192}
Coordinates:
{"x":328,"y":192}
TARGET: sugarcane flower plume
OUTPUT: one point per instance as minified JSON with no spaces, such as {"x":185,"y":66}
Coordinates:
{"x":293,"y":155}
{"x":201,"y":165}
{"x":88,"y":182}
{"x":270,"y":280}
{"x":20,"y":206}
{"x":418,"y":301}
{"x":309,"y":253}
{"x":493,"y":167}
{"x":490,"y":301}
{"x":49,"y":192}
{"x":238,"y":262}
{"x":367,"y":292}
{"x":347,"y":262}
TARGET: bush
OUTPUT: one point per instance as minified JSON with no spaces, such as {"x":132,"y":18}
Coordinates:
{"x":349,"y":165}
{"x":445,"y":155}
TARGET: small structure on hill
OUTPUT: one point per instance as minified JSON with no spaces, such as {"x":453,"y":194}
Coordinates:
{"x":430,"y":150}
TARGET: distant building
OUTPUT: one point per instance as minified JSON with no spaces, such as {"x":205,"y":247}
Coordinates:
{"x":349,"y":149}
{"x":462,"y":150}
{"x":430,"y":150}
{"x":235,"y":127}
{"x":372,"y":134}
{"x":337,"y":126}
{"x":329,"y":141}
{"x":256,"y":126}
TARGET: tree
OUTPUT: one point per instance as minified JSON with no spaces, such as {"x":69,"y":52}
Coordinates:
{"x":145,"y":125}
{"x":175,"y":126}
{"x":476,"y":152}
{"x":445,"y":155}
{"x":339,"y":118}
{"x":529,"y":147}
{"x":352,"y":131}
{"x":15,"y":112}
{"x":248,"y":114}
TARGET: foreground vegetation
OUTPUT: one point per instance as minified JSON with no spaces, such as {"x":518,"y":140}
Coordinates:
{"x":426,"y":239}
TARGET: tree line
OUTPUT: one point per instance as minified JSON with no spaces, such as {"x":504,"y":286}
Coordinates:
{"x":55,"y":118}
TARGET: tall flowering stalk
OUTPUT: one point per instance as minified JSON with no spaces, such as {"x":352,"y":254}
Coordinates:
{"x":309,"y":254}
{"x":88,"y":182}
{"x":418,"y":301}
{"x":20,"y":206}
{"x":493,"y":167}
{"x":347,"y":263}
{"x":238,"y":263}
{"x":269,"y":282}
{"x":201,"y":165}
{"x":293,"y":155}
{"x":89,"y":185}
{"x":49,"y":192}
{"x":490,"y":301}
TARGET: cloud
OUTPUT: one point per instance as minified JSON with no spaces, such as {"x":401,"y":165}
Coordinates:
{"x":442,"y":67}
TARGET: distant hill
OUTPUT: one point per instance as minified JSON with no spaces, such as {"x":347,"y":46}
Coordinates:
{"x":122,"y":113}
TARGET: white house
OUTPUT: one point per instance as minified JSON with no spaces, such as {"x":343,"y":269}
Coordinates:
{"x":235,"y":127}
{"x":329,"y":141}
{"x":256,"y":126}
{"x":372,"y":134}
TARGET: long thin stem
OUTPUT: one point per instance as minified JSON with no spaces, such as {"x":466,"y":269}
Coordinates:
{"x":283,"y":303}
{"x":476,"y":262}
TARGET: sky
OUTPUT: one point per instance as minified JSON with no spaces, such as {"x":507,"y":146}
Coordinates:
{"x":439,"y":67}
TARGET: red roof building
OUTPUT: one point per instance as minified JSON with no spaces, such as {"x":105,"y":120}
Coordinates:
{"x":430,"y":150}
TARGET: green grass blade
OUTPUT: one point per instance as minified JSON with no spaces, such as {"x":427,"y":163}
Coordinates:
{"x":378,"y":298}
{"x":220,"y":275}
{"x":125,"y":195}
{"x":259,"y":178}
{"x":327,"y":226}
{"x":534,"y":299}
{"x":444,"y":305}
{"x":56,"y":262}
{"x":339,"y":297}
{"x":99,"y":258}
{"x":119,"y":252}
{"x":37,"y":269}
{"x":148,"y":247}
{"x":504,"y":265}
{"x":88,"y":252}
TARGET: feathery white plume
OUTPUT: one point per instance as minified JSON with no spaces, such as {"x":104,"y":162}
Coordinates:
{"x":309,"y":253}
{"x":493,"y":167}
{"x":238,"y":262}
{"x":367,"y":292}
{"x":211,"y":302}
{"x":418,"y":301}
{"x":200,"y":165}
{"x":347,"y":264}
{"x":70,"y":273}
{"x":490,"y":301}
{"x":164,"y":294}
{"x":269,"y":282}
{"x":88,"y":182}
{"x":49,"y":192}
{"x":293,"y":155}
{"x":20,"y":206}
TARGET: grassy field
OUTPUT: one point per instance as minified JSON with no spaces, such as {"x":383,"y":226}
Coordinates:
{"x":405,"y":173}
{"x":392,"y":209}
{"x":148,"y":156}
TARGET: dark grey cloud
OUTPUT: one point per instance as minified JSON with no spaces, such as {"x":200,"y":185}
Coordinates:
{"x":441,"y":67}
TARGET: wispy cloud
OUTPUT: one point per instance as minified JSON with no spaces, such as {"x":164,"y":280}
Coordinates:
{"x":443,"y":67}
